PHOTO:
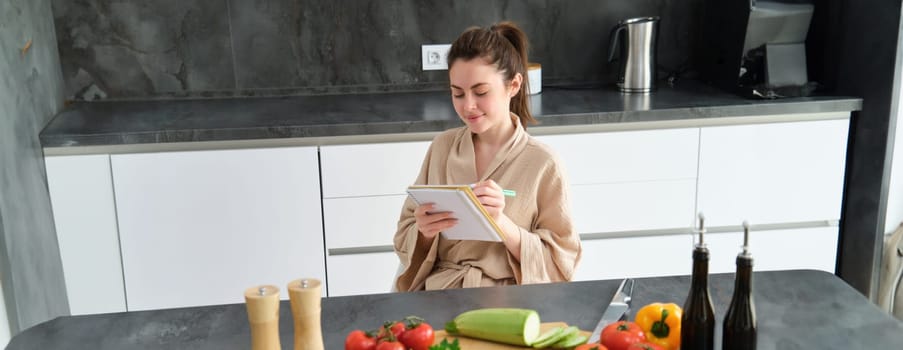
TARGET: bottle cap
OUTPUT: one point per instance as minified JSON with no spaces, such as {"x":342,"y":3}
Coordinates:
{"x":745,"y":252}
{"x":701,"y":231}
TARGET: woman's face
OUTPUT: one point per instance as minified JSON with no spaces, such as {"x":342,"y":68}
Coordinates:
{"x":480,"y":94}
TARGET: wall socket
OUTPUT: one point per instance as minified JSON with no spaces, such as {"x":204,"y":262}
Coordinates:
{"x":433,"y":56}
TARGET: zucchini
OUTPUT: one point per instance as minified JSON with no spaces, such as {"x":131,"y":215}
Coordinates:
{"x":503,"y":325}
{"x":548,"y":338}
{"x":571,"y":341}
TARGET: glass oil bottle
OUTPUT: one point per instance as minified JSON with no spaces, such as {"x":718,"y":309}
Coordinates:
{"x":740,"y":322}
{"x":697,"y":331}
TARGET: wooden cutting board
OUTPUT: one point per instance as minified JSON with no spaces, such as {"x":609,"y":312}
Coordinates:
{"x":477,"y":344}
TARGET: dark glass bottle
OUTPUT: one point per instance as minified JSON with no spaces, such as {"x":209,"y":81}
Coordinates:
{"x":740,"y":321}
{"x":697,"y":330}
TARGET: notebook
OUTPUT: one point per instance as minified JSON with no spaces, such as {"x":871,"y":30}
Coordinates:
{"x":474,"y":223}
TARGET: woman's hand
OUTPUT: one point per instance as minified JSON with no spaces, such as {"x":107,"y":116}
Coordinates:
{"x":491,"y":196}
{"x":493,"y":199}
{"x":430,"y":224}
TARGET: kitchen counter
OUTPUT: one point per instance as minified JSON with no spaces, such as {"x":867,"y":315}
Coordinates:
{"x":135,"y":126}
{"x":796,"y":310}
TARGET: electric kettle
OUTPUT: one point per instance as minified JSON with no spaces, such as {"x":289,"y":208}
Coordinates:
{"x":636,"y":39}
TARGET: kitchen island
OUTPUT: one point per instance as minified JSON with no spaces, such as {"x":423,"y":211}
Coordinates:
{"x":797,"y":309}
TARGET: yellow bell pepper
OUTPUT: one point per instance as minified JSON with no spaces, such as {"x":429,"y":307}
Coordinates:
{"x":661,"y":323}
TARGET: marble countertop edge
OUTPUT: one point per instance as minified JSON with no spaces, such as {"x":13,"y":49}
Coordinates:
{"x":262,"y":137}
{"x":110,"y":127}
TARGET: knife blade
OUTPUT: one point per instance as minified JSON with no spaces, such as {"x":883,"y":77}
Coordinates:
{"x":616,"y":310}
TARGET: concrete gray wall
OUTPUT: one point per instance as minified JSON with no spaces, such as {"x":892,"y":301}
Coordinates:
{"x":176,"y":48}
{"x":864,"y":47}
{"x":31,"y":93}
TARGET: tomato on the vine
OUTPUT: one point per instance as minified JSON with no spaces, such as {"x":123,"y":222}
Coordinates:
{"x":359,"y":340}
{"x":420,"y":337}
{"x":395,"y":327}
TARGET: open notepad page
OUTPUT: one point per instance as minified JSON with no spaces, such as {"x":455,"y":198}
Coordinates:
{"x":473,"y":221}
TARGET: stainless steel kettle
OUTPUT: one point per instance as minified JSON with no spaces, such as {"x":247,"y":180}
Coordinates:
{"x":637,"y":53}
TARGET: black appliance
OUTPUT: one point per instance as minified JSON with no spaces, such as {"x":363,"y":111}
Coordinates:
{"x":756,"y":48}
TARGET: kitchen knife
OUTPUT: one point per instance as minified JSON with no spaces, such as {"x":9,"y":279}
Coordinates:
{"x":616,"y":310}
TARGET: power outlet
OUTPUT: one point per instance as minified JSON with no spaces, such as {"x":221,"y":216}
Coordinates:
{"x":433,"y":56}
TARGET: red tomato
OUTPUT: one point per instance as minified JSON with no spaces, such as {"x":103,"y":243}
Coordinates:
{"x":621,"y":335}
{"x":591,"y":346}
{"x":359,"y":340}
{"x":390,"y":345}
{"x":645,"y":346}
{"x":420,"y":337}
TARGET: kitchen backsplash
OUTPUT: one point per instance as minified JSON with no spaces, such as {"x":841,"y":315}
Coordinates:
{"x":139,"y":49}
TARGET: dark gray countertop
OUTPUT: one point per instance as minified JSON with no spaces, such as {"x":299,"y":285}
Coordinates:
{"x":111,"y":123}
{"x":795,"y":309}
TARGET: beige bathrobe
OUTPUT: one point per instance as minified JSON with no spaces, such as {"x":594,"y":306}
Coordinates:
{"x":549,"y":250}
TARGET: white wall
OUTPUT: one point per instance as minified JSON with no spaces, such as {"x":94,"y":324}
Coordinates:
{"x":895,"y":189}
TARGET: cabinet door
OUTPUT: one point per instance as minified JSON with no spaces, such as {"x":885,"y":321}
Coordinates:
{"x":631,"y":206}
{"x":807,"y":248}
{"x":198,"y":228}
{"x":631,"y":180}
{"x":367,"y":273}
{"x":627,"y":156}
{"x":371,"y":169}
{"x":81,"y":195}
{"x":773,"y":173}
{"x":635,"y":257}
{"x":361,"y":221}
{"x":363,"y":192}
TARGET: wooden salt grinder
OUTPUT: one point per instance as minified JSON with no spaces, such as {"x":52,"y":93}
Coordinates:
{"x":263,"y":315}
{"x":305,"y":298}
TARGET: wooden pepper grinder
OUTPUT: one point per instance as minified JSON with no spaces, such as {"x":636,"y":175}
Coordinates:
{"x":263,"y":314}
{"x":305,"y":298}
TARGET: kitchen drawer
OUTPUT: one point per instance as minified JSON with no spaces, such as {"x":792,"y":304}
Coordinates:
{"x":772,"y":173}
{"x":635,"y":257}
{"x":361,"y":221}
{"x":633,"y":206}
{"x":367,"y":273}
{"x":627,"y":156}
{"x":370,"y":169}
{"x":812,"y":248}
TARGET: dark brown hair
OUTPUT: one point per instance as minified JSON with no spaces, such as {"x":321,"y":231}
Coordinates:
{"x":503,"y":44}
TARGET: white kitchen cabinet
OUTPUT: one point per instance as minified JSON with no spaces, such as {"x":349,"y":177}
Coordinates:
{"x":627,"y":156}
{"x":772,"y":173}
{"x":370,"y":169}
{"x":812,"y":248}
{"x":635,"y":257}
{"x":81,"y":195}
{"x":361,"y":221}
{"x":362,"y":273}
{"x":198,"y":228}
{"x":363,"y":193}
{"x":630,"y":180}
{"x":632,"y":206}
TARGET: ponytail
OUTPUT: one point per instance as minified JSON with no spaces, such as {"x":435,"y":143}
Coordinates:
{"x":505,"y":45}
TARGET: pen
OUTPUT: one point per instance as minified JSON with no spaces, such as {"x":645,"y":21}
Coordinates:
{"x":507,"y":193}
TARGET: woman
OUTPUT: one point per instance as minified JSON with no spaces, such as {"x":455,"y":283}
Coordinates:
{"x":487,"y":68}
